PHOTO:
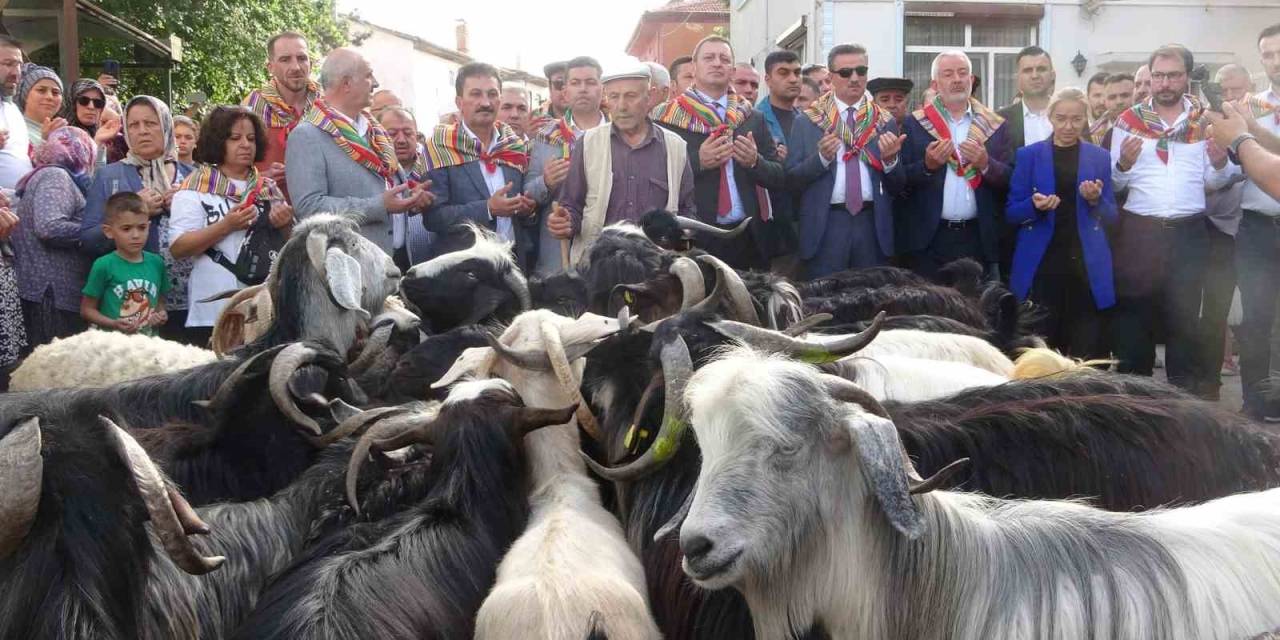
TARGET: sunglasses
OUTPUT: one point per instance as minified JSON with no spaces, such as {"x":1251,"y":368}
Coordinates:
{"x":849,"y":71}
{"x":98,"y":103}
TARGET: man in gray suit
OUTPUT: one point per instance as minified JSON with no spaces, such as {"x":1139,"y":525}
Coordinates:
{"x":340,"y":160}
{"x":478,"y":167}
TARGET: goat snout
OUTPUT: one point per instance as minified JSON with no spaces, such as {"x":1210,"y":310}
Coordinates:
{"x":710,"y":562}
{"x":695,"y":547}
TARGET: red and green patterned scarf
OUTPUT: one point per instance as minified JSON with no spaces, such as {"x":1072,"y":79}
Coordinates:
{"x":687,"y":111}
{"x":450,"y":145}
{"x":561,"y":132}
{"x":1142,"y":120}
{"x":1259,"y":107}
{"x":825,"y":113}
{"x":207,"y":179}
{"x":377,"y":154}
{"x":272,"y":108}
{"x":985,"y":123}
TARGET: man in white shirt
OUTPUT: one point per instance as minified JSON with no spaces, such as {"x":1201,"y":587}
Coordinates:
{"x":1161,"y":243}
{"x":1257,"y":252}
{"x":1027,"y":121}
{"x":14,"y":162}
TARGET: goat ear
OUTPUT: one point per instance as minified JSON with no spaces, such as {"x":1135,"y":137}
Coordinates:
{"x":317,"y":243}
{"x":885,"y":469}
{"x":342,"y":272}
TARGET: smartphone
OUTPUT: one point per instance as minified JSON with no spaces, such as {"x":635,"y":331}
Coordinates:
{"x":1213,"y":95}
{"x":111,"y":68}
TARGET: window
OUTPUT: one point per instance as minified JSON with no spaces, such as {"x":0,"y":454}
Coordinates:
{"x":992,"y":45}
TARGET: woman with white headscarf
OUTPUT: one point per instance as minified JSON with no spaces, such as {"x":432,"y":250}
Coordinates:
{"x":152,"y":170}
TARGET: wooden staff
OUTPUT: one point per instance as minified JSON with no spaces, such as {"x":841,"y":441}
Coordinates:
{"x":564,"y":242}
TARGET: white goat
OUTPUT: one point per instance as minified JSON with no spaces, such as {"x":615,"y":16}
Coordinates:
{"x":572,"y":570}
{"x":810,"y":508}
{"x":101,"y":358}
{"x":905,"y":379}
{"x":946,"y":347}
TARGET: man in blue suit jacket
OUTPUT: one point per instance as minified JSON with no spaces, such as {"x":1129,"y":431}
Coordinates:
{"x":957,"y":162}
{"x":479,"y":174}
{"x":842,"y":143}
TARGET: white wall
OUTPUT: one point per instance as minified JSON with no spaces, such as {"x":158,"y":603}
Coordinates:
{"x":754,"y":26}
{"x":874,"y":25}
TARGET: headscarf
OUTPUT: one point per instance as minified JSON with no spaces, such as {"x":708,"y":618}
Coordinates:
{"x":79,"y":88}
{"x":70,"y":149}
{"x":31,"y":74}
{"x":159,"y":173}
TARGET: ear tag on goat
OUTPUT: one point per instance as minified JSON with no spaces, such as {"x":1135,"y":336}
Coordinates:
{"x":343,"y":275}
{"x":628,"y":298}
{"x":636,"y":436}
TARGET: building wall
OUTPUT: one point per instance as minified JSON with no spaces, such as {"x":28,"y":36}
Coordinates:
{"x":424,"y":82}
{"x":673,"y":40}
{"x":754,"y":26}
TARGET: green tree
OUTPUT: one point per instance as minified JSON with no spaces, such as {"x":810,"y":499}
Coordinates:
{"x":223,"y":42}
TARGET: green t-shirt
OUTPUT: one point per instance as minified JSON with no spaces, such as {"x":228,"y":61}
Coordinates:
{"x":126,"y":289}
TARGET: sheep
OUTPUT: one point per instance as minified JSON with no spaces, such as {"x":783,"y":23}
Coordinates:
{"x":467,"y":286}
{"x":572,"y":561}
{"x":97,"y":358}
{"x":859,"y":546}
{"x":424,"y":572}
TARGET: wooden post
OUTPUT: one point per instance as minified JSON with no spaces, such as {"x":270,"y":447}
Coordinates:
{"x":564,"y":242}
{"x":69,"y":42}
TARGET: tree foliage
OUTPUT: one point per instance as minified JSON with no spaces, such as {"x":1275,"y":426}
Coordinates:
{"x":223,"y":42}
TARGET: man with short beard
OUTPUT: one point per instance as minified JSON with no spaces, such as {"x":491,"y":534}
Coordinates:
{"x":283,"y":100}
{"x":957,"y":163}
{"x":514,"y":110}
{"x":746,"y":81}
{"x":14,"y":159}
{"x":410,"y":237}
{"x":1161,"y":242}
{"x":1097,"y":93}
{"x":549,"y":157}
{"x":622,"y":169}
{"x":1119,"y":95}
{"x":1141,"y":84}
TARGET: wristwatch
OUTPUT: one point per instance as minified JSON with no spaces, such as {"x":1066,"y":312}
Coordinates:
{"x":1233,"y":149}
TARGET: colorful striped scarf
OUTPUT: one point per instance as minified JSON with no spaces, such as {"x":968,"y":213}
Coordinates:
{"x":868,"y":119}
{"x":207,"y":179}
{"x":272,"y":108}
{"x":562,"y":133}
{"x":1259,"y":107}
{"x":418,"y":172}
{"x":451,"y":145}
{"x":1101,"y":127}
{"x":377,"y":154}
{"x":1142,"y":120}
{"x":984,"y":125}
{"x":687,"y":111}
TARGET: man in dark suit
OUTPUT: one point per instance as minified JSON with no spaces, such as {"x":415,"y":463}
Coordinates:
{"x":957,"y":163}
{"x":733,"y":156}
{"x":478,"y":167}
{"x":844,"y":156}
{"x":1027,"y":122}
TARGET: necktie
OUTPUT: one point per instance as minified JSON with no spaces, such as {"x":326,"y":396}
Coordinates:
{"x":852,"y":173}
{"x":724,"y":205}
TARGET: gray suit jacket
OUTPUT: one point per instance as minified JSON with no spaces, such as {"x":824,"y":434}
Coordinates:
{"x":322,"y":179}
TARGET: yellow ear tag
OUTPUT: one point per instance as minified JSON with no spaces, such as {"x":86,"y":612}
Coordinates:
{"x":628,"y":298}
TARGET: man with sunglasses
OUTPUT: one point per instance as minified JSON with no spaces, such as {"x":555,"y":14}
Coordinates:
{"x":557,"y":100}
{"x":1161,"y":241}
{"x":845,"y":158}
{"x":957,"y":165}
{"x":733,"y":156}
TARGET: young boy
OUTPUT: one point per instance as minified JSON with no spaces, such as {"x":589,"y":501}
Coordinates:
{"x":125,"y":290}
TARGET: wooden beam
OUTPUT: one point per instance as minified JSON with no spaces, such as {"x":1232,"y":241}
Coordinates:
{"x":69,"y":42}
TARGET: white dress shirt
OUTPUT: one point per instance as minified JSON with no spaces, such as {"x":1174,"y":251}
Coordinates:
{"x":958,"y":200}
{"x":736,"y":212}
{"x":1173,"y":190}
{"x":1253,"y":198}
{"x":495,"y":181}
{"x":14,"y":162}
{"x":837,"y":192}
{"x":1035,"y":126}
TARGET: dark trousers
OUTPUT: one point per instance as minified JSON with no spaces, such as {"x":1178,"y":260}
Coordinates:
{"x":1215,"y":304}
{"x":741,"y":253}
{"x":849,"y":242}
{"x":1258,"y":273}
{"x":1072,"y":323}
{"x":43,"y":322}
{"x":176,"y":329}
{"x":952,"y":241}
{"x":1159,"y":269}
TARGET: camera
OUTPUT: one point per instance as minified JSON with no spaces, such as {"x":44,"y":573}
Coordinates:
{"x":1209,"y":92}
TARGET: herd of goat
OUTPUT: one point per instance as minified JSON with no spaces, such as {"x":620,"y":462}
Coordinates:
{"x":651,"y":445}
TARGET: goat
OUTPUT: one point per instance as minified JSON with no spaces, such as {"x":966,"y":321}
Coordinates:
{"x":99,"y":358}
{"x":572,"y":561}
{"x":621,"y":255}
{"x":422,"y":573}
{"x":854,"y":279}
{"x":674,"y":232}
{"x":777,"y":300}
{"x":428,"y":362}
{"x":1005,"y":337}
{"x":245,"y":317}
{"x":809,"y":507}
{"x":863,"y":304}
{"x":564,"y":293}
{"x":468,"y":286}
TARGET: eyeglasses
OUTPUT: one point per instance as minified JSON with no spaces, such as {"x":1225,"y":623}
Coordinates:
{"x":98,"y":103}
{"x":557,"y":84}
{"x":1172,"y":76}
{"x":849,"y":71}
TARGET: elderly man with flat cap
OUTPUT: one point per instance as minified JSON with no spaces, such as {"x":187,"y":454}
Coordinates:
{"x":624,"y":168}
{"x":892,"y":95}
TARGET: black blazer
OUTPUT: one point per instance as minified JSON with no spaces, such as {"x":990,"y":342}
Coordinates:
{"x":1017,"y":128}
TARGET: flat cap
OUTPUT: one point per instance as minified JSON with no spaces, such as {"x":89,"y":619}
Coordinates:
{"x":890,"y":84}
{"x":625,"y":67}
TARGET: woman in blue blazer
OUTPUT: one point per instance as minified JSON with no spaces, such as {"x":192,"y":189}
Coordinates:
{"x":1060,"y":197}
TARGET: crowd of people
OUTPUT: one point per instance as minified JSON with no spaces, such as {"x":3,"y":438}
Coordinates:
{"x":1127,"y":211}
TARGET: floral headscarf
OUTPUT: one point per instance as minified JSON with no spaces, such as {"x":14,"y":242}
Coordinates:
{"x":159,"y":173}
{"x":79,"y":88}
{"x":67,"y":148}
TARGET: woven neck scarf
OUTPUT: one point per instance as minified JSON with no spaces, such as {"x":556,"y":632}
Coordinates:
{"x":562,"y":132}
{"x":276,"y":113}
{"x":418,"y":172}
{"x":690,"y":112}
{"x":67,"y":148}
{"x":1101,"y":127}
{"x":452,"y":145}
{"x":161,"y":172}
{"x":1142,"y":120}
{"x":985,"y":122}
{"x":377,"y":154}
{"x":208,"y":179}
{"x":868,"y":118}
{"x":1260,"y":108}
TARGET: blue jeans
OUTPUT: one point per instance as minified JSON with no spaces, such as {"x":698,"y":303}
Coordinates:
{"x":1257,"y":275}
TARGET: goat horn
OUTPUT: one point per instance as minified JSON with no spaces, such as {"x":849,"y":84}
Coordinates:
{"x":564,"y":374}
{"x":802,"y":350}
{"x":222,"y":397}
{"x":692,"y":286}
{"x":916,"y":485}
{"x":21,"y":475}
{"x":190,"y":520}
{"x":677,"y":366}
{"x":519,"y":286}
{"x":294,"y":357}
{"x":534,"y":359}
{"x":847,"y":391}
{"x":711,"y":303}
{"x":352,"y":424}
{"x":317,"y":246}
{"x":744,"y":310}
{"x":807,"y":323}
{"x":373,"y":347}
{"x":155,"y":493}
{"x":690,"y":224}
{"x":528,"y":419}
{"x":384,"y":436}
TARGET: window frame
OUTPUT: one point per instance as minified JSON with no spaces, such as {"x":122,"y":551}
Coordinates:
{"x":989,"y":53}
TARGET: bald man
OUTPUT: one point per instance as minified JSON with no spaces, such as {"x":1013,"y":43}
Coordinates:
{"x":330,"y":173}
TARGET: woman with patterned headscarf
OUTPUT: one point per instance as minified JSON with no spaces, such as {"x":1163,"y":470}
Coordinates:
{"x":40,"y":98}
{"x":152,"y":170}
{"x":51,"y":270}
{"x":85,"y":106}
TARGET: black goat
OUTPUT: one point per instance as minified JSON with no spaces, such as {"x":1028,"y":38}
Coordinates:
{"x":621,"y":255}
{"x":863,"y":304}
{"x":422,"y":574}
{"x":854,"y":279}
{"x":564,"y":293}
{"x":677,"y":233}
{"x":427,"y":362}
{"x":469,"y":286}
